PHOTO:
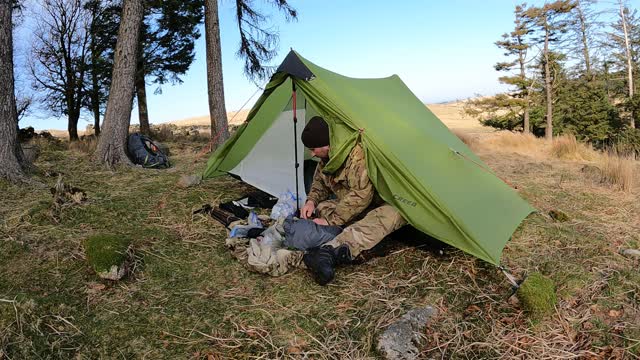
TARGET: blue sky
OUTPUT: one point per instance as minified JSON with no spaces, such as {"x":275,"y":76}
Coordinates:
{"x":443,"y":51}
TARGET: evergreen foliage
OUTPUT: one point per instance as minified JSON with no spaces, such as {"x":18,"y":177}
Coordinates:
{"x":561,"y":63}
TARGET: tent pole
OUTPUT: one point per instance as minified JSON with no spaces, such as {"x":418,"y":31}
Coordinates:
{"x":295,"y":142}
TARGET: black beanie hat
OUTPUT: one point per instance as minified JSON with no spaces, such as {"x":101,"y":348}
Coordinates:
{"x":315,"y":133}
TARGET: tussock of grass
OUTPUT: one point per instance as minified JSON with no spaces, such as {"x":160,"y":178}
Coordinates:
{"x":567,"y":147}
{"x":106,"y":250}
{"x":618,"y":170}
{"x":538,"y":295}
{"x":507,"y":141}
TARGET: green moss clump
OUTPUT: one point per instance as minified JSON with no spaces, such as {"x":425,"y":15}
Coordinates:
{"x":537,"y":295}
{"x":105,"y":250}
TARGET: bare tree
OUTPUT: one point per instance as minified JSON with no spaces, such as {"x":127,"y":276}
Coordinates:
{"x":583,"y":25}
{"x":12,"y":162}
{"x":112,"y":146}
{"x":627,"y":47}
{"x":60,"y":58}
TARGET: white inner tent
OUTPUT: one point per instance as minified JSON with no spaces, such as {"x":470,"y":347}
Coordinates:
{"x":270,"y":165}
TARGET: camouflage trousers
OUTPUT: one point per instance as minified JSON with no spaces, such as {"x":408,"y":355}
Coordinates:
{"x":368,"y":230}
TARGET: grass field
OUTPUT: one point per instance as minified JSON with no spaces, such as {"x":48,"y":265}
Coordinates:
{"x":188,"y":298}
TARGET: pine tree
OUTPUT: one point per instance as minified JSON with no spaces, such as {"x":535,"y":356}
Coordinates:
{"x":515,"y":44}
{"x":550,"y":22}
{"x":625,"y":44}
{"x":583,"y":26}
{"x":257,"y":47}
{"x":112,"y":145}
{"x":166,"y":46}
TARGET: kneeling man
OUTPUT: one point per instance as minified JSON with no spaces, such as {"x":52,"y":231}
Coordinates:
{"x":357,"y":207}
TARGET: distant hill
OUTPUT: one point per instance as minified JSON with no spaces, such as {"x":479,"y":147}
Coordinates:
{"x":451,"y":114}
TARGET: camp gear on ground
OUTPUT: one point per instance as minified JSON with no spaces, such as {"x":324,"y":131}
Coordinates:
{"x":261,"y":199}
{"x":316,"y":133}
{"x":303,"y":234}
{"x":143,"y":151}
{"x":266,"y":254}
{"x":236,"y":210}
{"x":243,"y":231}
{"x":253,"y":220}
{"x":285,"y":206}
{"x":255,"y":232}
{"x":414,"y":161}
{"x":367,"y":232}
{"x":222,"y":216}
{"x":322,"y":262}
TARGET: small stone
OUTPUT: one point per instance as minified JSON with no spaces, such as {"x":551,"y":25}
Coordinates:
{"x":558,"y":216}
{"x":631,"y":253}
{"x":189,"y":181}
{"x":399,"y":340}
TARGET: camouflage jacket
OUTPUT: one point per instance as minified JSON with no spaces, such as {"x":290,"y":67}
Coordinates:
{"x":351,"y":185}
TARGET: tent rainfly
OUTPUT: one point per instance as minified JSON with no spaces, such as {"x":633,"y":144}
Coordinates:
{"x":416,"y":164}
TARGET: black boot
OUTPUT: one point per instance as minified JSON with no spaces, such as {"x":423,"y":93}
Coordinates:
{"x":322,"y":262}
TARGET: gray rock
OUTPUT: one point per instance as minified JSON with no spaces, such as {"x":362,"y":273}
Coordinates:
{"x":631,"y":253}
{"x":399,"y":340}
{"x":115,"y":273}
{"x":189,"y":180}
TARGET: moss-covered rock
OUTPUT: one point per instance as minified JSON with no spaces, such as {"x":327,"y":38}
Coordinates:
{"x":537,"y":295}
{"x":558,"y":215}
{"x":108,"y":255}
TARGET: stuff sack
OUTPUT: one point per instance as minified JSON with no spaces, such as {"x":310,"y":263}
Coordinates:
{"x":143,"y":151}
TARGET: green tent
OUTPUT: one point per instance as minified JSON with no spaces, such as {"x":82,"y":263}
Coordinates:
{"x":417,"y":165}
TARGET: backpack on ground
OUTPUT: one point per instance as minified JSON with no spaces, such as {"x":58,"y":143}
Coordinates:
{"x":143,"y":151}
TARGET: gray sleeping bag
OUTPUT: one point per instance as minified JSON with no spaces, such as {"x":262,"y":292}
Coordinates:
{"x":303,"y":234}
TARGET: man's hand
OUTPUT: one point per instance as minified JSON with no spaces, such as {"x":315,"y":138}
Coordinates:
{"x":320,"y":221}
{"x":307,"y":209}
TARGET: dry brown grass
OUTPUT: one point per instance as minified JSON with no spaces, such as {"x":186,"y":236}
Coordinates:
{"x":618,"y":170}
{"x":567,"y":147}
{"x":87,"y":145}
{"x":507,"y":141}
{"x":470,"y":140}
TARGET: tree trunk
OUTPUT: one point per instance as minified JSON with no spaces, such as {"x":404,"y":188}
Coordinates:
{"x":547,"y":86}
{"x":217,"y":110}
{"x":141,"y":93}
{"x":95,"y":88}
{"x":523,"y":76}
{"x":585,"y":43}
{"x":628,"y":55}
{"x":112,"y":147}
{"x":11,"y":158}
{"x":72,"y":126}
{"x":95,"y":103}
